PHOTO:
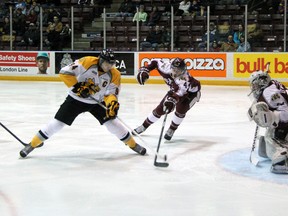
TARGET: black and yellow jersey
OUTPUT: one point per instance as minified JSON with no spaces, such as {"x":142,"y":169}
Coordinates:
{"x":86,"y":70}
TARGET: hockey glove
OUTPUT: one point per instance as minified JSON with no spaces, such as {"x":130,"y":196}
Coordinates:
{"x":170,"y":103}
{"x":84,"y":89}
{"x":112,"y":109}
{"x":260,"y":113}
{"x":143,"y":75}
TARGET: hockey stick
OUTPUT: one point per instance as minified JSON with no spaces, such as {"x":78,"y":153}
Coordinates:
{"x":252,"y":158}
{"x":24,"y":144}
{"x":161,"y":164}
{"x":267,"y":67}
{"x":130,"y":129}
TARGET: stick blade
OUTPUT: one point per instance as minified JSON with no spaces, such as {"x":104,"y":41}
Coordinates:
{"x":161,"y":164}
{"x":254,"y":161}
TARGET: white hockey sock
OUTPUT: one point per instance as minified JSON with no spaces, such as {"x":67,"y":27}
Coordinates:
{"x":152,"y":118}
{"x":115,"y":127}
{"x":176,"y":121}
{"x":52,"y":127}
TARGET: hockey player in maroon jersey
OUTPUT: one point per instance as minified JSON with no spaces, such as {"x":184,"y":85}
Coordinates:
{"x":91,"y":80}
{"x":270,"y":110}
{"x":183,"y":94}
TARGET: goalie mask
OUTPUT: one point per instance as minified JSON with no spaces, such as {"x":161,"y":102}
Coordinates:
{"x":107,"y":59}
{"x":178,"y":67}
{"x":258,"y":80}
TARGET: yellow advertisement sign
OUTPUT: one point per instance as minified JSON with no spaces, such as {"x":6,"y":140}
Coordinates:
{"x":245,"y":64}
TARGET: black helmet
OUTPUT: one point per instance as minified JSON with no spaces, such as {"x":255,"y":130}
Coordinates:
{"x":178,"y":67}
{"x":107,"y":55}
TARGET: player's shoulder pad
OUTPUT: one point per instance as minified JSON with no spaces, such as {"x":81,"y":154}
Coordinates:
{"x":116,"y":75}
{"x":88,"y":61}
{"x":115,"y":72}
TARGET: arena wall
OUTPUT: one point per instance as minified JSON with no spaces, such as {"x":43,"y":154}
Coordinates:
{"x":211,"y":68}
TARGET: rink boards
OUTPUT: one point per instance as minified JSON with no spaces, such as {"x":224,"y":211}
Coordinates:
{"x":211,"y":68}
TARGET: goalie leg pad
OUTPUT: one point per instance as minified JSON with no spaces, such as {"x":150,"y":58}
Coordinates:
{"x":275,"y":151}
{"x":262,"y":147}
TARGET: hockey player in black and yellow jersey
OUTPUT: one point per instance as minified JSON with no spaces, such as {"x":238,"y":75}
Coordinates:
{"x":92,"y":80}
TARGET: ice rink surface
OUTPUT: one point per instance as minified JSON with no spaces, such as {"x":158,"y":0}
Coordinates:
{"x":85,"y":171}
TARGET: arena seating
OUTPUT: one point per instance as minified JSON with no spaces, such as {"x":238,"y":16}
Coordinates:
{"x":191,"y":28}
{"x":121,"y":31}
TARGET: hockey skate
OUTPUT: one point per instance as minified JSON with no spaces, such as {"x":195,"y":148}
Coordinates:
{"x":169,"y":134}
{"x":139,"y":130}
{"x":25,"y":151}
{"x":280,"y":168}
{"x":139,"y":149}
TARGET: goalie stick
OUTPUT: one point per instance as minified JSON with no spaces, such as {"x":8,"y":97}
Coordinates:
{"x":129,"y":128}
{"x":252,"y":157}
{"x":156,"y":163}
{"x":24,"y":144}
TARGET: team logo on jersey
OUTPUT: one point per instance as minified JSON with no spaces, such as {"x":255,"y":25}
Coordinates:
{"x":94,"y":72}
{"x":275,"y":96}
{"x":90,"y":81}
{"x":104,"y":84}
{"x":74,"y":67}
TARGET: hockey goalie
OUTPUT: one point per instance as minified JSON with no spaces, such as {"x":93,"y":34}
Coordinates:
{"x":270,"y":111}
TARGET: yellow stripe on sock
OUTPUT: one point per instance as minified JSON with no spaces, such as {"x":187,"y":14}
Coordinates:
{"x":35,"y":141}
{"x":130,"y":142}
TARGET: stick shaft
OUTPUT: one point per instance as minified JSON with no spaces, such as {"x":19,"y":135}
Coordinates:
{"x":252,"y":159}
{"x":13,"y":134}
{"x":161,"y":134}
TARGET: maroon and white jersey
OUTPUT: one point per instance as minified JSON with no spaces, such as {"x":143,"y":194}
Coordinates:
{"x":182,"y":86}
{"x":276,"y":97}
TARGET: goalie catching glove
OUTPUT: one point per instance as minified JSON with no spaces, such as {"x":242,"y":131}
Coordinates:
{"x":112,"y":109}
{"x":170,"y":102}
{"x":143,"y":75}
{"x":84,"y":89}
{"x":260,"y":113}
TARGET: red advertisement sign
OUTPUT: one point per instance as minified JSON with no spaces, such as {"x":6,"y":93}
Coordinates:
{"x":29,"y":63}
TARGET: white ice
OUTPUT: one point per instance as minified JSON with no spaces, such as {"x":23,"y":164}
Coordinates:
{"x":84,"y":171}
